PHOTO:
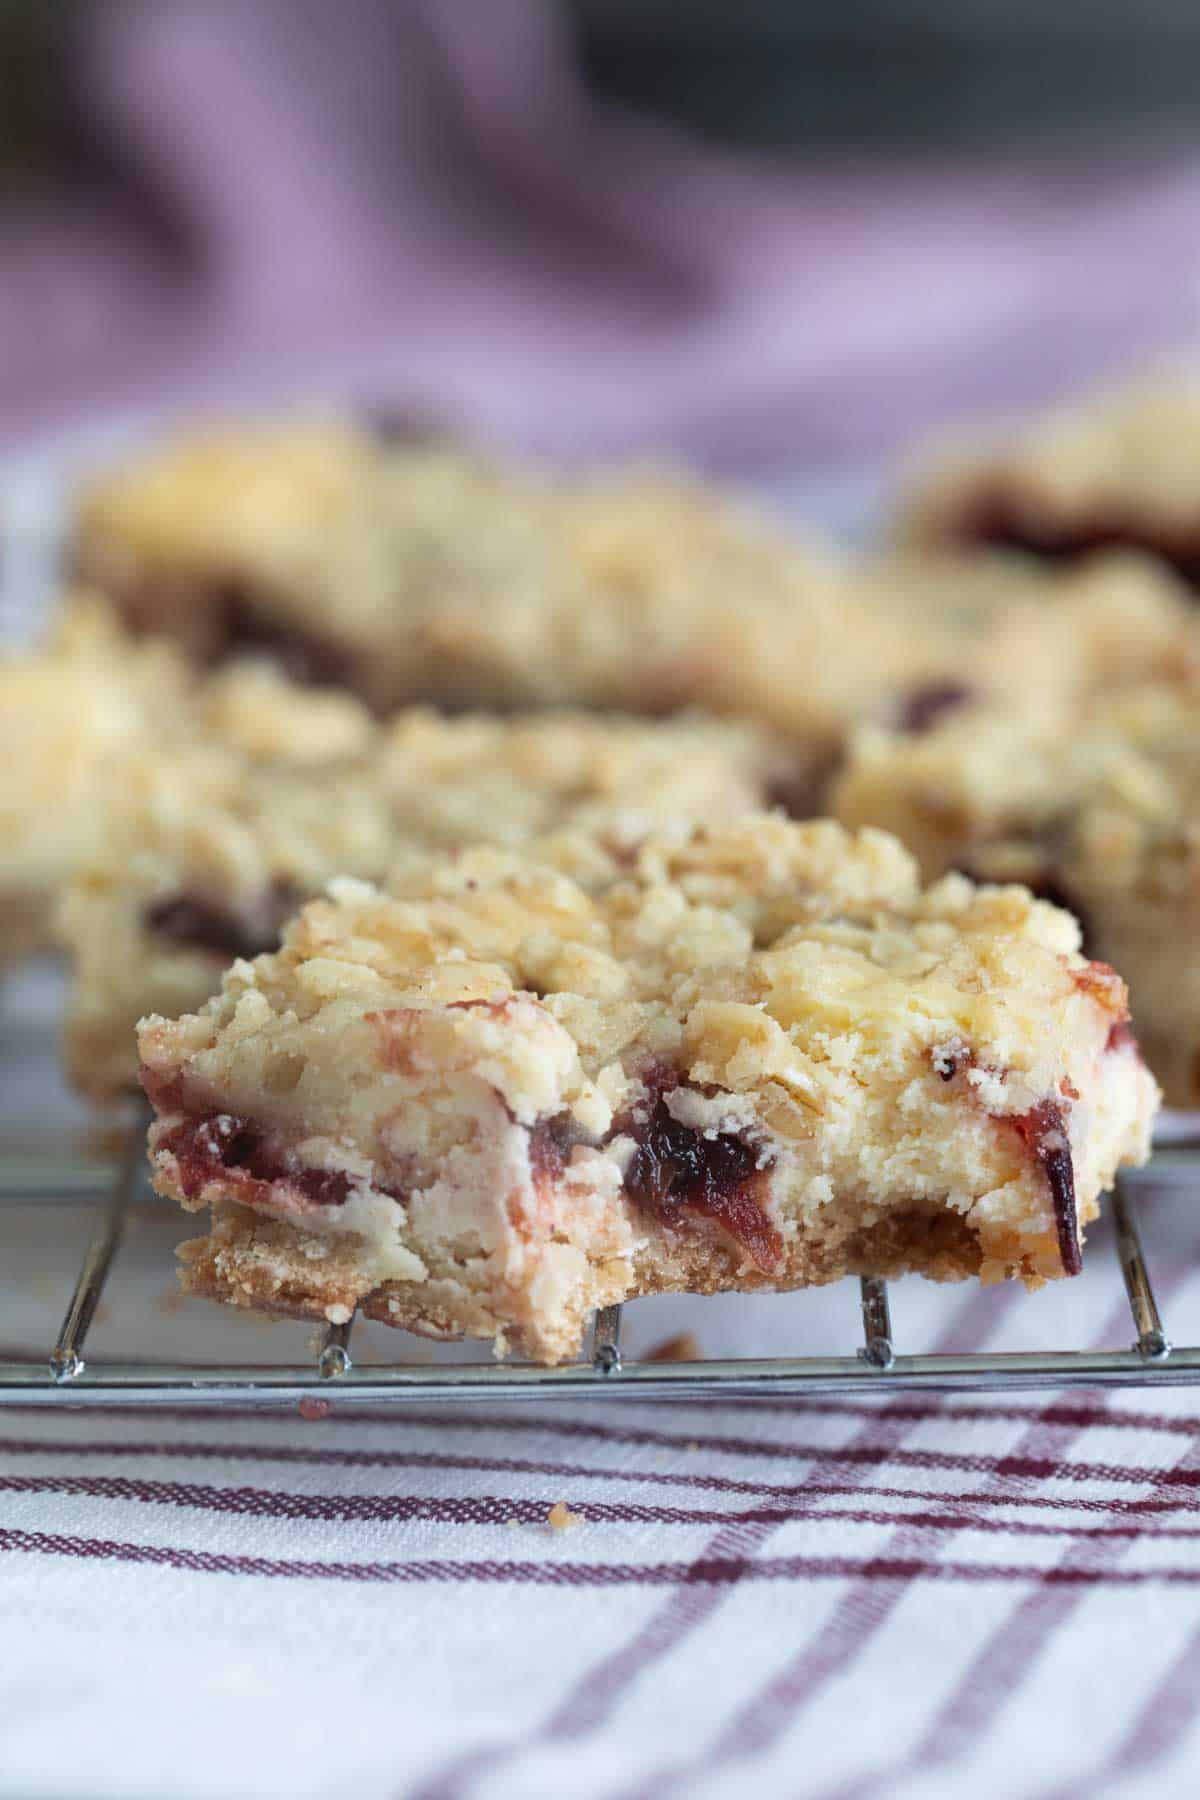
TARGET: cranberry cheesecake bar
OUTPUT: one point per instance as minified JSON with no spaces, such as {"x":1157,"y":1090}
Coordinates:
{"x":753,"y":1056}
{"x":421,"y":573}
{"x":209,"y":848}
{"x":1119,"y":469}
{"x":1099,"y":810}
{"x":299,"y":539}
{"x":946,"y":629}
{"x":86,"y":715}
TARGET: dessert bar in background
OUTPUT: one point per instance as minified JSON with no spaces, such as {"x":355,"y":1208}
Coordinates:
{"x":756,"y":1056}
{"x":1117,"y":470}
{"x":1100,"y":812}
{"x":208,"y":849}
{"x":87,"y":712}
{"x":423,"y":573}
{"x":947,"y":628}
{"x":70,"y":712}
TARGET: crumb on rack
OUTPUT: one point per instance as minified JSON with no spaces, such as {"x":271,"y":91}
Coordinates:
{"x":561,"y":1518}
{"x":683,"y":1347}
{"x":312,"y":1408}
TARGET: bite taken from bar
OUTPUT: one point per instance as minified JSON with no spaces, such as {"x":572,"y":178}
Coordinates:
{"x":758,"y":1056}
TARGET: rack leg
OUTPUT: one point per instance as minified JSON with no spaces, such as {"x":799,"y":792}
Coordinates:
{"x":1152,"y":1341}
{"x":606,"y":1341}
{"x":877,"y":1323}
{"x":334,"y":1358}
{"x":66,"y":1358}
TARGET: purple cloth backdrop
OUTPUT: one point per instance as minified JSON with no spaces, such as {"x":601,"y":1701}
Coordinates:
{"x":420,"y":201}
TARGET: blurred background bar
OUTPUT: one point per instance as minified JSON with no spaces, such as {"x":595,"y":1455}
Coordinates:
{"x":760,"y":235}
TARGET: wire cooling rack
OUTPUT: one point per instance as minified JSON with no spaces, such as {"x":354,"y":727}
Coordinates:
{"x":60,"y":1372}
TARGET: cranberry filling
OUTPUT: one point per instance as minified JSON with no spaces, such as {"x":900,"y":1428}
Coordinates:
{"x":232,"y":1149}
{"x":1000,"y":523}
{"x":304,"y":655}
{"x":677,"y":1170}
{"x":229,"y":625}
{"x":922,"y":707}
{"x":1121,"y":1035}
{"x":1044,"y":1130}
{"x":164,"y":1092}
{"x":800,"y":792}
{"x":550,"y":1144}
{"x":200,"y":922}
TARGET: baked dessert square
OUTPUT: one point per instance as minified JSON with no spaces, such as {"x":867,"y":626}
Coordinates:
{"x":753,"y":1056}
{"x":70,"y":710}
{"x":85,"y":718}
{"x":208,"y":848}
{"x":424,"y":573}
{"x":1098,"y":809}
{"x":206,"y":853}
{"x":938,"y":629}
{"x":1116,"y":470}
{"x":310,"y":541}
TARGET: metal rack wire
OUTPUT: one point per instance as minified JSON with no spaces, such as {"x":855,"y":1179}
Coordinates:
{"x":63,"y":1375}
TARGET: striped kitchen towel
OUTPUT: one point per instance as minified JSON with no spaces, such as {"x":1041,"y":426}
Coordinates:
{"x":897,"y":1596}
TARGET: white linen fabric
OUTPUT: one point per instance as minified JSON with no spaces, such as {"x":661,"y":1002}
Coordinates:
{"x":912,"y":1595}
